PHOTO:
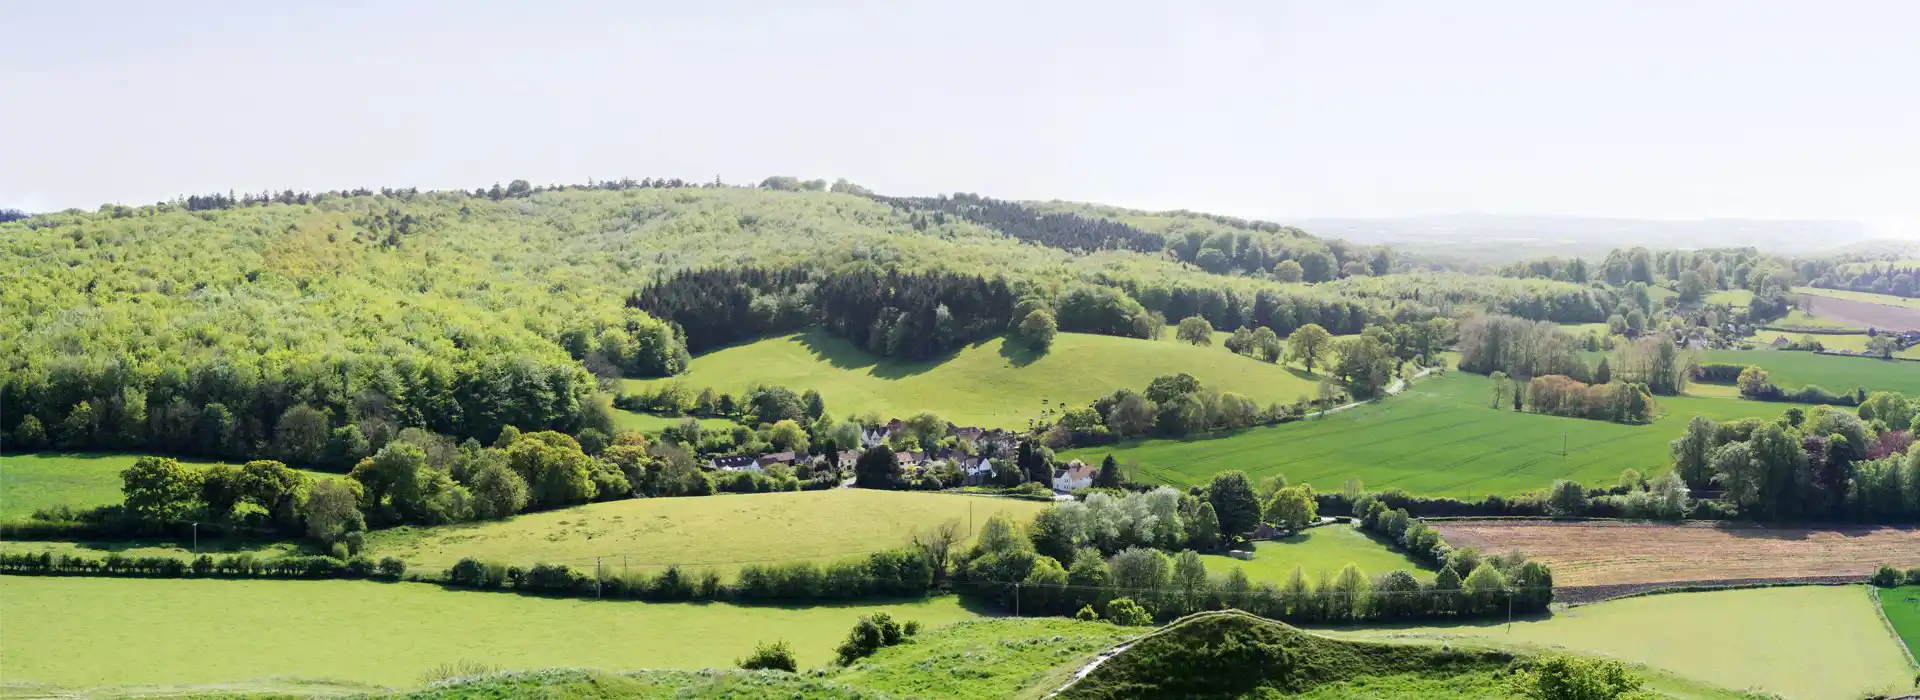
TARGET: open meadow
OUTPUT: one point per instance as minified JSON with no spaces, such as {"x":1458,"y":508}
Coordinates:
{"x":721,"y":532}
{"x":1604,"y":553}
{"x":988,"y":384}
{"x":1803,"y":643}
{"x":147,"y":631}
{"x":29,"y":482}
{"x":653,"y":423}
{"x":1835,"y":373}
{"x":1902,"y":608}
{"x":1327,"y":548}
{"x":1439,"y":437}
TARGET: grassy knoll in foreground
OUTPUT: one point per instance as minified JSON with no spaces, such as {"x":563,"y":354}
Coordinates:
{"x":1810,"y":643}
{"x":1437,"y":438}
{"x":166,"y":631}
{"x":1836,"y":373}
{"x":990,"y":384}
{"x":1326,"y":548}
{"x":717,"y":531}
{"x":29,"y":482}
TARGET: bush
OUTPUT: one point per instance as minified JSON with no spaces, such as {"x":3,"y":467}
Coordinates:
{"x":872,"y":633}
{"x":1126,"y":613}
{"x":777,"y":656}
{"x":1573,"y":678}
{"x":1913,"y":576}
{"x":1886,"y":576}
{"x":391,"y":568}
{"x":1087,"y":614}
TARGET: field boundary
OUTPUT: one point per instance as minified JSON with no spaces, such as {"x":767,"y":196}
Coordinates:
{"x":1586,"y":595}
{"x":1880,"y":611}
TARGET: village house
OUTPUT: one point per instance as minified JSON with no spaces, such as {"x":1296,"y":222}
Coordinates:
{"x":1076,"y":475}
{"x":979,"y":471}
{"x":768,"y":460}
{"x":734,"y":464}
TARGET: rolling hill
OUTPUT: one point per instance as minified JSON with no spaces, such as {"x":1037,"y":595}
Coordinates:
{"x":988,"y":384}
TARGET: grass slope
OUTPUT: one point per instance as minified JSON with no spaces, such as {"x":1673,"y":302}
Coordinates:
{"x":1836,"y":373}
{"x":990,"y":384}
{"x":718,"y":531}
{"x":29,"y":482}
{"x":164,"y":631}
{"x":1437,"y":438}
{"x":983,"y":659}
{"x":1809,"y":643}
{"x":1326,"y":548}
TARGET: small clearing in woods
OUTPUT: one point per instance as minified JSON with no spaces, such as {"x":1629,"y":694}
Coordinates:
{"x":1599,"y":553}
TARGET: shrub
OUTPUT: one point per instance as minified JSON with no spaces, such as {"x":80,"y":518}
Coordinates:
{"x":391,"y":568}
{"x":1125,"y":612}
{"x":1087,"y":614}
{"x":1573,"y":678}
{"x":777,"y":656}
{"x":870,"y":634}
{"x":1886,"y":576}
{"x":1913,"y":576}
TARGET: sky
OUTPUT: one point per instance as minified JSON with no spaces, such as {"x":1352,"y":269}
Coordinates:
{"x":1765,"y":109}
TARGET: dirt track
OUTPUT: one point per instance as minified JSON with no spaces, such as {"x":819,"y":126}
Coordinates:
{"x":1610,"y":553}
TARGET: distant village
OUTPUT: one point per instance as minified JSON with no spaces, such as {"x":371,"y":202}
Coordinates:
{"x":978,"y":465}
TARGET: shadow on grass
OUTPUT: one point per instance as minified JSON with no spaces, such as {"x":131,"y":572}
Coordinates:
{"x":1019,"y":354}
{"x":841,"y":353}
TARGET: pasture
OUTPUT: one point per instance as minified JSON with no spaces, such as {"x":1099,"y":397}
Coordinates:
{"x":1902,"y":608}
{"x":721,"y":532}
{"x":1439,"y":438}
{"x":1856,"y":342}
{"x":1599,"y":553}
{"x":1321,"y":549}
{"x":1836,"y":373}
{"x":1731,"y":297}
{"x":1807,"y":642}
{"x":29,"y":482}
{"x":653,"y":423}
{"x":173,"y":631}
{"x":1801,"y":320}
{"x":989,"y":384}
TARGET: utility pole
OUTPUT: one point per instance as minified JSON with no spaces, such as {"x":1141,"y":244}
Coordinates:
{"x":623,"y":565}
{"x":196,"y":538}
{"x":1016,"y":599}
{"x":596,"y":578}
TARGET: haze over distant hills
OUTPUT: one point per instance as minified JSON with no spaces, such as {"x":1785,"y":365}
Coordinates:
{"x":1497,"y":238}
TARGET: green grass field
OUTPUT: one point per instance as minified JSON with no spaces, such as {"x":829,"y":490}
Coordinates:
{"x":169,"y":631}
{"x":1902,"y":607}
{"x":1807,"y":643}
{"x":1580,"y":330}
{"x":989,"y":384}
{"x":29,"y":482}
{"x":1881,"y":299}
{"x":1856,"y":342}
{"x":1326,"y":548}
{"x":1801,"y":319}
{"x":1731,"y":297}
{"x":1437,"y":438}
{"x":653,"y":423}
{"x":1797,"y":369}
{"x":715,"y":531}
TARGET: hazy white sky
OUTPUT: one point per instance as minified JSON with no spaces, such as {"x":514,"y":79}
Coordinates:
{"x":1742,"y":108}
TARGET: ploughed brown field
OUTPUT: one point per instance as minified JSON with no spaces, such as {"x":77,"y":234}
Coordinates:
{"x":1608,"y":553}
{"x":1861,"y":314}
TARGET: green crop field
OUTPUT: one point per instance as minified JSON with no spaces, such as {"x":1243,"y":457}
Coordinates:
{"x":168,"y":631}
{"x":1797,"y":369}
{"x":1902,"y":607}
{"x":1801,"y":319}
{"x":1326,"y":548}
{"x":29,"y":482}
{"x":713,"y":531}
{"x":1808,"y":643}
{"x":1437,"y":438}
{"x":989,"y":384}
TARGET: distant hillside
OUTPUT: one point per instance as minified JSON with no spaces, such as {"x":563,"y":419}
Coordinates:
{"x":1497,"y":239}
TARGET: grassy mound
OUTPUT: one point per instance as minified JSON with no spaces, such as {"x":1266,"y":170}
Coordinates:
{"x":722,"y":532}
{"x":991,"y":384}
{"x":1233,"y":654}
